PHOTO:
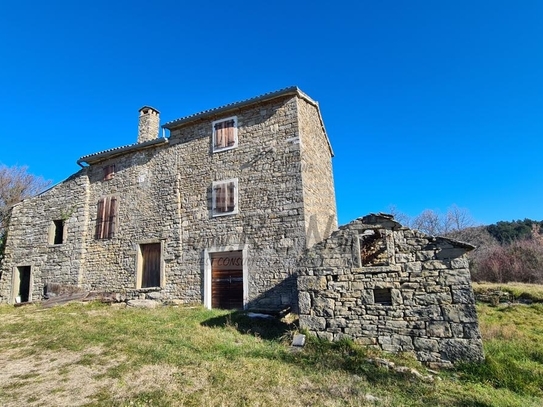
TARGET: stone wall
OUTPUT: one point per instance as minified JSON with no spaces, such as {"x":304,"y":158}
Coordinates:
{"x":30,"y":242}
{"x":397,"y":289}
{"x":318,"y":182}
{"x":270,"y":221}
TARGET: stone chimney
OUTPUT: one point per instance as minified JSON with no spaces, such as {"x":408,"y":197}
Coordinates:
{"x":148,"y":124}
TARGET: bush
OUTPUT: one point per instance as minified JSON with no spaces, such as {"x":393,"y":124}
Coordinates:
{"x":520,"y":261}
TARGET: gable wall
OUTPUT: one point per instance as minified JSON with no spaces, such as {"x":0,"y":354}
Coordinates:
{"x":433,"y":308}
{"x":28,"y":237}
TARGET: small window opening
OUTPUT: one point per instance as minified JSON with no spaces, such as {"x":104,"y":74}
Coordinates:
{"x":58,"y":234}
{"x":382,"y":296}
{"x":109,"y":172}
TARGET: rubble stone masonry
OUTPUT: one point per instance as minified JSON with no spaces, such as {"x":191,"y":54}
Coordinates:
{"x":397,"y":289}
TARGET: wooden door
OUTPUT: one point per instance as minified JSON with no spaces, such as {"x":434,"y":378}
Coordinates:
{"x":151,"y":265}
{"x":227,"y":280}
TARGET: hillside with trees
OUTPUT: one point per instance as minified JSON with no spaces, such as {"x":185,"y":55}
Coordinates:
{"x":506,"y":251}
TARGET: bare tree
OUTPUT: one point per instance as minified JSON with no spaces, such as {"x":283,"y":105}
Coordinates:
{"x":399,"y":216}
{"x":16,"y":184}
{"x":429,"y":222}
{"x":458,"y":219}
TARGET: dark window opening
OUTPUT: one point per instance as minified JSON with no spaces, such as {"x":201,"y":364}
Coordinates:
{"x":58,"y":234}
{"x":382,"y":296}
{"x":373,"y":248}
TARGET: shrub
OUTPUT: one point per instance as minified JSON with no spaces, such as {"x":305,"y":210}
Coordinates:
{"x":520,"y":261}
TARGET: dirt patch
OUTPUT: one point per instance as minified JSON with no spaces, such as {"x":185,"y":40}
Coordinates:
{"x":52,"y":378}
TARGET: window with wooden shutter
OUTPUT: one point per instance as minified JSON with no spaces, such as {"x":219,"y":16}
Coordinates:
{"x":225,"y":197}
{"x":106,"y":218}
{"x":225,"y":134}
{"x":109,"y":172}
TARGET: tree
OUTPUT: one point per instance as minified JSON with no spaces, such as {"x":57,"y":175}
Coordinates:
{"x":16,"y":184}
{"x":435,"y":223}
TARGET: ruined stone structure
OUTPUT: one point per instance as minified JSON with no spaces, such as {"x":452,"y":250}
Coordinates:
{"x":217,"y":213}
{"x":385,"y":285}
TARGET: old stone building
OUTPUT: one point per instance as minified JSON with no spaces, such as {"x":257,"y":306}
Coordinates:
{"x":236,"y":209}
{"x":218,"y":212}
{"x":397,"y":289}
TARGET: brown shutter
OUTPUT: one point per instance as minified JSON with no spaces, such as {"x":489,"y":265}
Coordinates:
{"x":231,"y":196}
{"x":223,"y":198}
{"x":218,"y":199}
{"x":112,"y":217}
{"x":99,"y":219}
{"x":105,"y":221}
{"x":220,"y":141}
{"x":230,"y":133}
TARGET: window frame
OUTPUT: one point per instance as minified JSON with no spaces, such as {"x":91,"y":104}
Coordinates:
{"x":214,"y":205}
{"x":107,"y":207}
{"x":214,"y":147}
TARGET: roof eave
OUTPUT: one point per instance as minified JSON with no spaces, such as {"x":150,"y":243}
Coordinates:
{"x":104,"y":155}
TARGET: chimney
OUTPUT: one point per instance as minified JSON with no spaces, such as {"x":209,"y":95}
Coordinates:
{"x":148,"y":124}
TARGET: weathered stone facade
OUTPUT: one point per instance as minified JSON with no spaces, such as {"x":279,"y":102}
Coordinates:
{"x":158,"y":195}
{"x":398,"y":289}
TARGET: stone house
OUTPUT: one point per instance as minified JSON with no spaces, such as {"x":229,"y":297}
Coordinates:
{"x":217,"y":213}
{"x":382,"y":284}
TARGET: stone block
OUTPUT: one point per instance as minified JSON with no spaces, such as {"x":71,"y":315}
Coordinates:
{"x":304,"y":303}
{"x":462,"y":295}
{"x":312,"y":323}
{"x":455,"y":350}
{"x":435,"y":265}
{"x":439,"y":329}
{"x":426,"y":345}
{"x":462,"y":313}
{"x":312,"y":283}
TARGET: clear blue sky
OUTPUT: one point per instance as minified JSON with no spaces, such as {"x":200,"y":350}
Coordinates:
{"x":427,"y":103}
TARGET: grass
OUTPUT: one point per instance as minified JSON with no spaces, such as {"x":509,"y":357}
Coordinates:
{"x":533,"y":292}
{"x":98,"y":355}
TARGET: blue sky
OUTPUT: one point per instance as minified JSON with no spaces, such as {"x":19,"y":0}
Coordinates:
{"x":427,"y":103}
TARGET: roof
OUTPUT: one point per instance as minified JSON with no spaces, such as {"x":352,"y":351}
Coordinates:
{"x":113,"y":152}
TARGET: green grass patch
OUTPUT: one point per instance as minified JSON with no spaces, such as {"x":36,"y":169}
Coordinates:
{"x":175,"y":356}
{"x":518,"y":291}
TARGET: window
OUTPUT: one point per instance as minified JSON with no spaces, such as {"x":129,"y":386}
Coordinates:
{"x":109,"y":172}
{"x":382,"y":296}
{"x":106,"y":218}
{"x":225,"y":134}
{"x":225,"y":197}
{"x":56,"y":232}
{"x":373,"y":248}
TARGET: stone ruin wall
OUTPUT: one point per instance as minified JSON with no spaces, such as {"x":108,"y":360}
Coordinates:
{"x":397,"y":289}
